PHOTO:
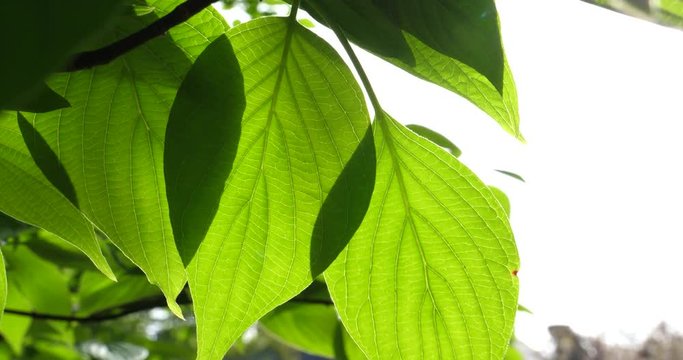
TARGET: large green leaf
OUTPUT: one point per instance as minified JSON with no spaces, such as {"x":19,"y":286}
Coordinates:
{"x":37,"y":38}
{"x":111,"y":140}
{"x":201,"y":142}
{"x":430,"y":272}
{"x":22,"y":187}
{"x":304,"y":119}
{"x":436,"y":53}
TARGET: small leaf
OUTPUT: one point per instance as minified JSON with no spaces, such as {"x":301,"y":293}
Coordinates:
{"x":511,"y":174}
{"x":436,"y":138}
{"x":201,"y":142}
{"x":523,"y":308}
{"x":429,"y":273}
{"x":304,"y":120}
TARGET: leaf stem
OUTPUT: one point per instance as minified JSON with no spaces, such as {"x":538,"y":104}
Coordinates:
{"x":105,"y":55}
{"x":354,"y":60}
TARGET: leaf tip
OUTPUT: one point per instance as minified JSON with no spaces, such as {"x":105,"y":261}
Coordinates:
{"x":175,"y":308}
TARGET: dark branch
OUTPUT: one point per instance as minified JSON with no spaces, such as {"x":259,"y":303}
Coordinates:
{"x":112,"y":51}
{"x":127,"y":309}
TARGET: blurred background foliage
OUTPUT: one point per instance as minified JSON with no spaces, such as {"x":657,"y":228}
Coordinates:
{"x":664,"y":12}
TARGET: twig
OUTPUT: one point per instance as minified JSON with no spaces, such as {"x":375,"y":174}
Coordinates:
{"x":112,"y":51}
{"x":127,"y":309}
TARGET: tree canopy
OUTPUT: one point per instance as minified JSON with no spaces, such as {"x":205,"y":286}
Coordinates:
{"x":161,"y":156}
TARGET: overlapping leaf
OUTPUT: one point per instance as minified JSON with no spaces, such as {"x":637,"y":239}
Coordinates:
{"x":305,"y":118}
{"x":201,"y":142}
{"x":111,"y":140}
{"x":23,"y":186}
{"x":454,"y":44}
{"x":430,"y":272}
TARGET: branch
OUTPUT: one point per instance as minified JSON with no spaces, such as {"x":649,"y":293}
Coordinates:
{"x":112,"y":51}
{"x":127,"y":309}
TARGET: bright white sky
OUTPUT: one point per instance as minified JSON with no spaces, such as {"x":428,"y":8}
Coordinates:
{"x":598,"y":221}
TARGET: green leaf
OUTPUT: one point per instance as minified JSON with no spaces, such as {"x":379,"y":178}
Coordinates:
{"x":37,"y":38}
{"x":304,"y":119}
{"x":673,"y":7}
{"x":453,"y":68}
{"x":511,"y":174}
{"x":201,"y":142}
{"x":15,"y":327}
{"x":429,"y":273}
{"x":111,"y":140}
{"x":47,"y":160}
{"x":44,"y":99}
{"x":53,"y":249}
{"x":97,"y":294}
{"x":461,"y":79}
{"x":309,"y":327}
{"x":22,"y":186}
{"x":3,"y":285}
{"x":365,"y":24}
{"x":41,"y":283}
{"x":436,"y":138}
{"x":502,"y":198}
{"x":463,"y":30}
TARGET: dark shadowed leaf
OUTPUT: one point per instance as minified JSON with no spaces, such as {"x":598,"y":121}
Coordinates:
{"x":201,"y":142}
{"x":466,"y":30}
{"x":38,"y":37}
{"x":511,"y":174}
{"x":44,"y":99}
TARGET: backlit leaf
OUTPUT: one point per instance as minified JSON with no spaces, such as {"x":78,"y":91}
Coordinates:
{"x":466,"y":30}
{"x":482,"y":76}
{"x":429,"y":273}
{"x":304,"y":119}
{"x":22,"y":186}
{"x":111,"y":140}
